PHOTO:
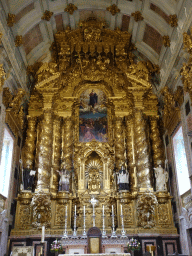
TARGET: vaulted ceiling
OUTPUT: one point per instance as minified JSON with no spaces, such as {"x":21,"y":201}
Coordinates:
{"x":147,"y":20}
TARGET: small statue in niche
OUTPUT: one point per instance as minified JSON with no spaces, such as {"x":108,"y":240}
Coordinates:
{"x":94,"y":183}
{"x":64,"y":180}
{"x":161,"y":178}
{"x":27,"y":177}
{"x":123,"y":179}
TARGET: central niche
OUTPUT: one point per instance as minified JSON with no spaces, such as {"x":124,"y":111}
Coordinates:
{"x":93,"y":116}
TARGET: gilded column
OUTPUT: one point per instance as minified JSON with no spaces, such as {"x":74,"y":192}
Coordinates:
{"x":157,"y":144}
{"x":56,"y":155}
{"x":45,"y":151}
{"x":142,"y":152}
{"x":119,"y":143}
{"x":68,"y":143}
{"x":130,"y":145}
{"x":29,"y":148}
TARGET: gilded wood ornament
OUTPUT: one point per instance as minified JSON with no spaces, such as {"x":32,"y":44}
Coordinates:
{"x":166,"y":41}
{"x":142,"y":149}
{"x":2,"y":76}
{"x":70,"y":8}
{"x":1,"y":35}
{"x":91,"y":57}
{"x":113,"y":9}
{"x":30,"y":144}
{"x":10,"y":19}
{"x":47,"y":15}
{"x":18,"y":41}
{"x":137,"y":16}
{"x":173,"y":20}
{"x":157,"y":143}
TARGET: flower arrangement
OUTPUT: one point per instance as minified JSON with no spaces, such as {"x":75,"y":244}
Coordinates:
{"x":133,"y":245}
{"x":56,"y":246}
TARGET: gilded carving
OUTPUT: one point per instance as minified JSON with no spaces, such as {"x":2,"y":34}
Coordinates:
{"x":142,"y":156}
{"x":131,"y":154}
{"x":163,"y":214}
{"x":41,"y":204}
{"x":113,"y":9}
{"x":47,"y":15}
{"x":2,"y":76}
{"x":146,"y":205}
{"x":7,"y":97}
{"x":1,"y":35}
{"x":137,"y":16}
{"x":30,"y":143}
{"x":70,"y":8}
{"x":157,"y":143}
{"x":166,"y":41}
{"x":91,"y":57}
{"x":25,"y":216}
{"x":60,"y":215}
{"x":10,"y":19}
{"x":119,"y":143}
{"x":44,"y":151}
{"x":18,"y":41}
{"x":173,"y":20}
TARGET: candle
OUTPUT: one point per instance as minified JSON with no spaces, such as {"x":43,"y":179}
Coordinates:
{"x":75,"y":210}
{"x":43,"y":234}
{"x":66,"y":211}
{"x":84,"y":210}
{"x":103,"y":210}
{"x":121,"y":210}
{"x":112,"y":210}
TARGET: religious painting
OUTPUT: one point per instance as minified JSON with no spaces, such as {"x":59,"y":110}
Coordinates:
{"x":93,"y":116}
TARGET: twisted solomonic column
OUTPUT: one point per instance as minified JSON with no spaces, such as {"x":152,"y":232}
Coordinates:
{"x":30,"y":143}
{"x":44,"y":151}
{"x":142,"y":152}
{"x":68,"y":143}
{"x":119,"y":142}
{"x":157,"y":143}
{"x":56,"y":155}
{"x":130,"y":146}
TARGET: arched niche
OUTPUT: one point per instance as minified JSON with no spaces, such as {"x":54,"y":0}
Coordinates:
{"x":92,"y":155}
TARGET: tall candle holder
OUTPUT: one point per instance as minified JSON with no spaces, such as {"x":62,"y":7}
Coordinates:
{"x":104,"y":231}
{"x":75,"y":230}
{"x":65,"y":236}
{"x":113,"y":235}
{"x":84,"y":235}
{"x":123,"y":233}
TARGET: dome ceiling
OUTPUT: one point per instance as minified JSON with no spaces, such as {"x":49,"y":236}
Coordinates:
{"x":149,"y":22}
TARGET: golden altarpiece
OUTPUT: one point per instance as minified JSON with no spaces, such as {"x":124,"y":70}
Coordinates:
{"x":93,"y":61}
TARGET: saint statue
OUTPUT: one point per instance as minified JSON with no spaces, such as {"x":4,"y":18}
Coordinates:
{"x":123,"y":179}
{"x":64,"y":180}
{"x":93,"y":99}
{"x":27,"y":177}
{"x":161,"y":178}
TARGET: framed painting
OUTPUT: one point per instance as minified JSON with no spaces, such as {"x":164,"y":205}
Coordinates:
{"x":93,"y":116}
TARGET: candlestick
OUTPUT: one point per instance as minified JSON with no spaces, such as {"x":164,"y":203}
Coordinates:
{"x":104,"y":232}
{"x":84,"y":235}
{"x":123,"y":233}
{"x":43,"y":234}
{"x":65,"y":232}
{"x":113,"y":235}
{"x":74,"y":230}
